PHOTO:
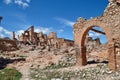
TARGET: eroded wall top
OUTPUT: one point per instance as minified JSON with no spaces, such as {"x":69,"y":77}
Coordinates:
{"x":110,"y":18}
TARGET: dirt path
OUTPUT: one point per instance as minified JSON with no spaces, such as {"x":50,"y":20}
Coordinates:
{"x":25,"y":70}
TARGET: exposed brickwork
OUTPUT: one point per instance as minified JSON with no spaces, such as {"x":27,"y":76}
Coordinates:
{"x":40,"y":39}
{"x":109,"y":21}
{"x":8,"y":45}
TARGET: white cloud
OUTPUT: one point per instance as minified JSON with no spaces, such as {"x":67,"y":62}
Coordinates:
{"x":42,"y":29}
{"x":98,"y":28}
{"x":4,"y":32}
{"x":19,"y":32}
{"x":7,"y":1}
{"x":38,"y":29}
{"x":28,"y":1}
{"x":94,"y":34}
{"x":60,"y":31}
{"x":23,"y":3}
{"x":65,"y":22}
{"x":1,"y":36}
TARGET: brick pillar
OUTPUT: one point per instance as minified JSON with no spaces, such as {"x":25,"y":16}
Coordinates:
{"x":32,"y":33}
{"x":28,"y":36}
{"x":81,"y":56}
{"x":112,"y":56}
{"x":118,"y":59}
{"x":23,"y":38}
{"x":117,"y":53}
{"x":18,"y":37}
{"x":78,"y":57}
{"x":13,"y":35}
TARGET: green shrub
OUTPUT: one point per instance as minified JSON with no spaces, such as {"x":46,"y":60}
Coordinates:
{"x":22,"y":56}
{"x":10,"y":74}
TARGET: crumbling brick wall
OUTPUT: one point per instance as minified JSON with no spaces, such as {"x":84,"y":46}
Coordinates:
{"x":40,"y":39}
{"x":109,"y":21}
{"x":8,"y":45}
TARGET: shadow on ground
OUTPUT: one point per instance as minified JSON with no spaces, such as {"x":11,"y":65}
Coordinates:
{"x":5,"y":61}
{"x":95,"y":62}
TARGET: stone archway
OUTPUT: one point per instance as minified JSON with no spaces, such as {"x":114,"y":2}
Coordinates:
{"x":80,"y":31}
{"x":110,"y":23}
{"x":88,"y":26}
{"x":83,"y":30}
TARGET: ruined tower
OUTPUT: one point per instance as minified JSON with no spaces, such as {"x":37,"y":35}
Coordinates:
{"x":32,"y":33}
{"x":13,"y":35}
{"x":53,"y":35}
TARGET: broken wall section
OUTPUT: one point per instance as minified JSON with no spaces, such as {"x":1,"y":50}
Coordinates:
{"x":52,"y":41}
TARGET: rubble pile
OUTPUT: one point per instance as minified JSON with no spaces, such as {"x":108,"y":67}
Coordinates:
{"x":41,"y":57}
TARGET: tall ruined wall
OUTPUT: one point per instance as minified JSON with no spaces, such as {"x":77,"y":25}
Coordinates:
{"x":109,"y":21}
{"x":52,"y":35}
{"x":40,"y":39}
{"x":111,"y":17}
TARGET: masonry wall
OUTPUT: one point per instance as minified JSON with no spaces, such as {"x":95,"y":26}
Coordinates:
{"x":40,"y":39}
{"x":109,"y":21}
{"x":8,"y":45}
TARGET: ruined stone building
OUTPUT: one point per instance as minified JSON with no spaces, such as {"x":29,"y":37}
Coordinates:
{"x":109,"y":21}
{"x":40,"y":39}
{"x":91,"y":43}
{"x":7,"y":45}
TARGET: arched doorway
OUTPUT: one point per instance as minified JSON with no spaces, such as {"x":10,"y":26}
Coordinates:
{"x":96,"y":45}
{"x":93,"y":45}
{"x":80,"y":32}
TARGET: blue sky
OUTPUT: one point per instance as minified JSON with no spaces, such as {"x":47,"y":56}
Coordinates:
{"x":47,"y":15}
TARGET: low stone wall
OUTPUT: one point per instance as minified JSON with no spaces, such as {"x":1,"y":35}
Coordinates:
{"x":7,"y":45}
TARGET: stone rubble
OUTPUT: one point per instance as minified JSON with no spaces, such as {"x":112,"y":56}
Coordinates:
{"x":97,"y":72}
{"x":47,"y":57}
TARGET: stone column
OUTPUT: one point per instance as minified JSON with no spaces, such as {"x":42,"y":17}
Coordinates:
{"x":32,"y":33}
{"x":117,"y":53}
{"x":18,"y":37}
{"x":13,"y":35}
{"x":81,"y":56}
{"x":112,"y":56}
{"x":78,"y":57}
{"x":23,"y":38}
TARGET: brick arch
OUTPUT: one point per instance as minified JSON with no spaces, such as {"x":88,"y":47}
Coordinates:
{"x":109,"y":22}
{"x":83,"y":33}
{"x":89,"y":26}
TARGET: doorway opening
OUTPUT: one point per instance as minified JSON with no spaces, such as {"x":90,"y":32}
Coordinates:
{"x":96,"y":45}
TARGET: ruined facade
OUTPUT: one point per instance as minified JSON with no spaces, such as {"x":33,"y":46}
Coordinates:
{"x":109,"y":21}
{"x":40,"y":39}
{"x":7,"y":45}
{"x":91,"y":43}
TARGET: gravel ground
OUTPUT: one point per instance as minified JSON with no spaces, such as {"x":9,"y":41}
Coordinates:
{"x":99,"y":71}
